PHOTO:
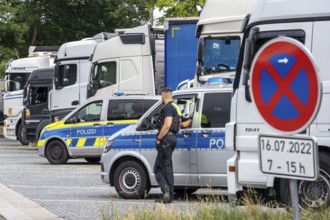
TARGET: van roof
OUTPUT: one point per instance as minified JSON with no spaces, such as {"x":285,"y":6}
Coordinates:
{"x":203,"y":89}
{"x":289,"y":9}
{"x":228,"y":13}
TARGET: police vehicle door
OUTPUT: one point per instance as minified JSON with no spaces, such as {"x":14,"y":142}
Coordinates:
{"x":87,"y":132}
{"x":184,"y":156}
{"x":212,"y":155}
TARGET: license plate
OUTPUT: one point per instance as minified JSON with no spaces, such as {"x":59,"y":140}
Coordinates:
{"x":288,"y":156}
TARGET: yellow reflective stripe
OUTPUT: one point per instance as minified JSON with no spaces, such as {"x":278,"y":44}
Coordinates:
{"x":102,"y":141}
{"x":41,"y":143}
{"x":81,"y":142}
{"x":68,"y":142}
{"x":97,"y":142}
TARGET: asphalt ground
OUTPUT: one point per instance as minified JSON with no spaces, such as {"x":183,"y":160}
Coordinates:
{"x":70,"y":191}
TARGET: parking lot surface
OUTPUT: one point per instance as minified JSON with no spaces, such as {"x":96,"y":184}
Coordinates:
{"x":70,"y":191}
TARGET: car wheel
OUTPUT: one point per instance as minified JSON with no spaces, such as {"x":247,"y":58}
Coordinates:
{"x":93,"y":159}
{"x":56,"y":152}
{"x":312,"y":194}
{"x":130,"y":180}
{"x":20,"y":135}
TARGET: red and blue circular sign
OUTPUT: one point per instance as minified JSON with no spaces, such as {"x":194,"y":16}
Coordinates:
{"x":285,"y":85}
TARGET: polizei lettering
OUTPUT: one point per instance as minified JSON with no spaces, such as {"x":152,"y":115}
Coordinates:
{"x":86,"y":131}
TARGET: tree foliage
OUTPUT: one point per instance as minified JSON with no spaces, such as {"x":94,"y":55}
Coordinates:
{"x":54,"y":22}
{"x":180,"y":8}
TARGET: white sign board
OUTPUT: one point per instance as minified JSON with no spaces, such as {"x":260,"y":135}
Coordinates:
{"x":289,"y":157}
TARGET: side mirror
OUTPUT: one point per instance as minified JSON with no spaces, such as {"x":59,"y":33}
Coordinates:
{"x":200,"y":51}
{"x":199,"y":72}
{"x":144,"y":126}
{"x":73,"y":120}
{"x":45,"y":111}
{"x":24,"y":101}
{"x":56,"y":81}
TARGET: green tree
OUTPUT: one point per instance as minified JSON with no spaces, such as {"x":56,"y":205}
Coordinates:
{"x":179,"y":8}
{"x":45,"y":22}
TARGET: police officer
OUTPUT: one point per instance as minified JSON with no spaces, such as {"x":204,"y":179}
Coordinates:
{"x":166,"y":143}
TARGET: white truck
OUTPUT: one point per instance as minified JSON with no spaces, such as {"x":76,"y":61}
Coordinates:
{"x":220,"y":38}
{"x":71,"y":75}
{"x":17,"y":74}
{"x":299,"y":21}
{"x":126,"y":63}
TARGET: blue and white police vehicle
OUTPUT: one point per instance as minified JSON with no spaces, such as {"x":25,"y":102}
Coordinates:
{"x":82,"y":133}
{"x":199,"y":159}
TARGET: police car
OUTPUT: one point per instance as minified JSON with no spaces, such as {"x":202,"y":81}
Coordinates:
{"x":83,"y":132}
{"x":199,"y":159}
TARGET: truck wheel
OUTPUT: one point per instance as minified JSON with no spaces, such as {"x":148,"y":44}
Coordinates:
{"x":130,"y":180}
{"x":93,"y":159}
{"x":56,"y":152}
{"x":312,"y":194}
{"x":20,"y":135}
{"x":184,"y":191}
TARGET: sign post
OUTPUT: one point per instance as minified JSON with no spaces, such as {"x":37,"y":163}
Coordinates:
{"x":286,"y":91}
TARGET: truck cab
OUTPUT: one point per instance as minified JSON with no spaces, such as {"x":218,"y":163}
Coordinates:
{"x":71,"y":75}
{"x":199,"y":159}
{"x":17,"y":74}
{"x":125,"y":63}
{"x":307,"y":25}
{"x":220,"y":38}
{"x":36,"y":113}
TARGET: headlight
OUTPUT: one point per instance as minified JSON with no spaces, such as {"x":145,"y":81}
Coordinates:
{"x":108,"y":145}
{"x":27,"y":113}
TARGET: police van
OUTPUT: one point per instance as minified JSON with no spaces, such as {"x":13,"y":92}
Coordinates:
{"x":199,"y":159}
{"x":83,"y":132}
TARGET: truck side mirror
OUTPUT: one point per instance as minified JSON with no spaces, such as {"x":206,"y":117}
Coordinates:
{"x":200,"y":51}
{"x":24,"y":101}
{"x":56,"y":81}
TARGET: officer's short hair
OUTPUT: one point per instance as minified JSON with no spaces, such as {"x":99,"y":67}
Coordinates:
{"x":167,"y":90}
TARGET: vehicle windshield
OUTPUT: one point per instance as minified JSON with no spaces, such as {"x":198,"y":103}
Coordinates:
{"x":17,"y":81}
{"x":37,"y":95}
{"x":103,"y":75}
{"x":221,"y":54}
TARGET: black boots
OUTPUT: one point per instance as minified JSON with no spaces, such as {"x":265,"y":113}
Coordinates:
{"x":166,"y":196}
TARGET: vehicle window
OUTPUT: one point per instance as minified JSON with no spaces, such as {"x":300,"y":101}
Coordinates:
{"x":67,"y":75}
{"x":187,"y":107}
{"x":104,"y":74}
{"x":17,"y":81}
{"x":221,"y":54}
{"x":147,"y":104}
{"x":264,"y":37}
{"x":90,"y":112}
{"x":37,"y":95}
{"x":216,"y":110}
{"x":125,"y":109}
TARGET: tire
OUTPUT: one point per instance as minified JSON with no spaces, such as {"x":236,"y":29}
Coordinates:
{"x":20,"y":135}
{"x":184,"y":191}
{"x":130,"y":180}
{"x":312,"y":194}
{"x":56,"y":152}
{"x":93,"y":160}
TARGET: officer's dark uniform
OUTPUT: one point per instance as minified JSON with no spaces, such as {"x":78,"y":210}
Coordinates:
{"x":163,"y":165}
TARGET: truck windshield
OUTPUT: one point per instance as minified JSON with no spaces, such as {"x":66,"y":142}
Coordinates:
{"x":37,"y":95}
{"x":17,"y":81}
{"x":104,"y":74}
{"x":221,"y":54}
